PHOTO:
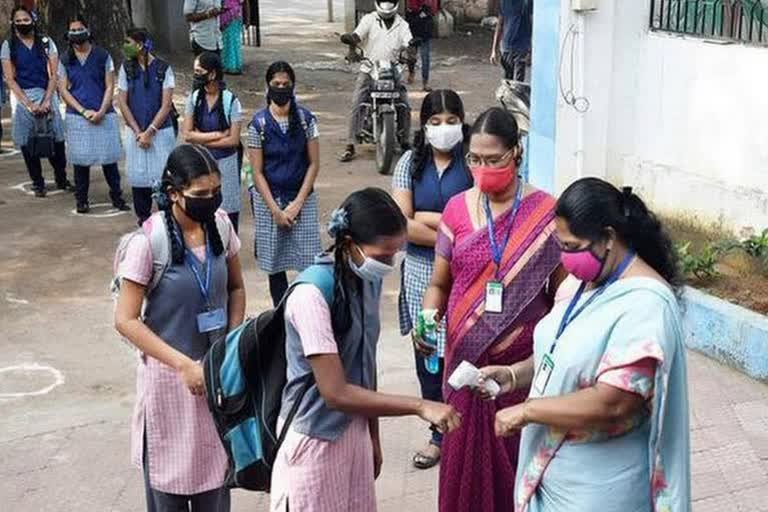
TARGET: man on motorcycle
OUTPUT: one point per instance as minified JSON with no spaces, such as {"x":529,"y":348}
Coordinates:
{"x":382,"y":34}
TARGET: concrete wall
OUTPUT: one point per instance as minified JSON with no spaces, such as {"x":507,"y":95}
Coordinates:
{"x":681,"y":119}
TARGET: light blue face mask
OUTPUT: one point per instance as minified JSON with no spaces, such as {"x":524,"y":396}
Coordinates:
{"x":371,"y":269}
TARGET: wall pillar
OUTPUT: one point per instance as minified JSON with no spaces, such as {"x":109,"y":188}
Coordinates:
{"x":544,"y":83}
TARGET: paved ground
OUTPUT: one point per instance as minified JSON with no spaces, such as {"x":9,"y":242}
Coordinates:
{"x":67,"y":449}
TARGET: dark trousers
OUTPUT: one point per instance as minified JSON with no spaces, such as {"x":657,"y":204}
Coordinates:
{"x":278,"y":285}
{"x":513,"y":62}
{"x":35,"y":168}
{"x":234,"y":218}
{"x":431,"y":387}
{"x":197,"y":49}
{"x":83,"y":182}
{"x":142,"y":203}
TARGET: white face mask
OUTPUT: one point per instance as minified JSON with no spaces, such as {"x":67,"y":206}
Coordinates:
{"x":371,"y":270}
{"x":444,"y":137}
{"x":387,"y":5}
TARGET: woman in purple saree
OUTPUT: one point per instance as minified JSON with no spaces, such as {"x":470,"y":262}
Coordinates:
{"x":497,"y":261}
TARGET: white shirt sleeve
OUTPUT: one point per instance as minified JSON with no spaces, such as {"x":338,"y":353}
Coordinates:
{"x":190,"y":6}
{"x":122,"y":79}
{"x":236,"y":115}
{"x":5,"y":51}
{"x":53,"y":50}
{"x":62,"y":71}
{"x":170,"y":79}
{"x":364,"y":28}
{"x":109,"y":66}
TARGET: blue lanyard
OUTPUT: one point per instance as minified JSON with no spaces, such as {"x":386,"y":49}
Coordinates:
{"x":570,"y":316}
{"x":497,"y":251}
{"x":192,"y":263}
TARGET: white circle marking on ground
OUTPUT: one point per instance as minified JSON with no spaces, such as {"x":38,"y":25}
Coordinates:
{"x":26,"y":188}
{"x":110,"y":212}
{"x":58,"y":379}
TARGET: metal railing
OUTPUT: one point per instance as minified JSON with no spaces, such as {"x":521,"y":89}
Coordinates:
{"x":744,"y":21}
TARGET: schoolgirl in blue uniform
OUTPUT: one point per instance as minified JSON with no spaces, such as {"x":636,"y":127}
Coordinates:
{"x":145,"y":86}
{"x":284,"y":152}
{"x":213,"y":118}
{"x":30,"y":61}
{"x":86,"y":83}
{"x":424,"y":180}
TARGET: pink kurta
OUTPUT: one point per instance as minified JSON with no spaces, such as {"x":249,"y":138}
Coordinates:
{"x":313,"y":475}
{"x":183,"y":448}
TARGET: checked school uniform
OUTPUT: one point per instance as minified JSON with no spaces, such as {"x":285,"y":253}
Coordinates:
{"x":285,"y":167}
{"x":91,"y":144}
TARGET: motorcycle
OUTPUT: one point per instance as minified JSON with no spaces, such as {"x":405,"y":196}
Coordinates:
{"x":378,"y":114}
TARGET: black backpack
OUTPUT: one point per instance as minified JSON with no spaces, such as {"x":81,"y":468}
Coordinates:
{"x":245,"y":374}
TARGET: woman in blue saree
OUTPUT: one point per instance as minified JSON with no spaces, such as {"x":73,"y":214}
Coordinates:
{"x":606,"y":424}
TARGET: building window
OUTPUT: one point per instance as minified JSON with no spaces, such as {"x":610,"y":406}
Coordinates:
{"x":744,"y":21}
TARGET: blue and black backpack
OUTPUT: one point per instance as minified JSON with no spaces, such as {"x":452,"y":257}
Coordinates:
{"x":245,"y":374}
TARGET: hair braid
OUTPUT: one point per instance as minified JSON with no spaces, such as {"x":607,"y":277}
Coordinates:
{"x":212,"y":230}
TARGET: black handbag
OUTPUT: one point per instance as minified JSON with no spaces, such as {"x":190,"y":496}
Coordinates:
{"x":42,"y":142}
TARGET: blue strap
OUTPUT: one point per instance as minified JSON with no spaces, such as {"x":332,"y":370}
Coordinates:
{"x":497,"y":251}
{"x":570,"y":315}
{"x":192,"y":263}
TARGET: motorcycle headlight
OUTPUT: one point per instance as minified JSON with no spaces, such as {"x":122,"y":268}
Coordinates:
{"x":385,"y":85}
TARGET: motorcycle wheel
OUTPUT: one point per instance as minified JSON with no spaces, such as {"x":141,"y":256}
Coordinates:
{"x":385,"y":145}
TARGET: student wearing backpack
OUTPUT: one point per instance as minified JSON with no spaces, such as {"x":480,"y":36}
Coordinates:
{"x":197,"y":299}
{"x":213,"y":117}
{"x":30,"y":61}
{"x":145,"y":84}
{"x":284,"y":151}
{"x":86,"y":83}
{"x":331,"y":454}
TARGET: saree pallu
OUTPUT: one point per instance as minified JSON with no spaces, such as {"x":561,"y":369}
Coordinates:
{"x":477,"y":468}
{"x":641,"y":464}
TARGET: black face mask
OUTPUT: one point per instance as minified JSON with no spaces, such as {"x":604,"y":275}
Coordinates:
{"x":200,"y":81}
{"x":79,"y":37}
{"x":202,"y":209}
{"x":25,"y":29}
{"x":280,"y":96}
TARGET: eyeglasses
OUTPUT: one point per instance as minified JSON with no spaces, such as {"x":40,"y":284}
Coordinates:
{"x":496,"y":162}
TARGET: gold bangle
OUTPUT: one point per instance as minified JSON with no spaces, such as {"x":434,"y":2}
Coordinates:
{"x":512,"y":372}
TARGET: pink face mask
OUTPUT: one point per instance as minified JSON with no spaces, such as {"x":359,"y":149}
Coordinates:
{"x":583,"y":264}
{"x":492,"y":180}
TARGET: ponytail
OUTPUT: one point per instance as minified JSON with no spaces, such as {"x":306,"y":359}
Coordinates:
{"x":592,"y":205}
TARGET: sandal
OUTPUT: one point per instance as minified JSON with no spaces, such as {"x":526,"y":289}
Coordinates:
{"x":347,"y":156}
{"x":424,"y":461}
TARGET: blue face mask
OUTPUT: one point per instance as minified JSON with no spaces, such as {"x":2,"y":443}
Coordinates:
{"x":371,"y":270}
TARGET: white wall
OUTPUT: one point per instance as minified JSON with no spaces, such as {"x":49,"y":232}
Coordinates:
{"x":683,"y":120}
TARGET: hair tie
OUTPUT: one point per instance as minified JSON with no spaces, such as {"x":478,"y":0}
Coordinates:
{"x":626,"y":195}
{"x":338,"y":223}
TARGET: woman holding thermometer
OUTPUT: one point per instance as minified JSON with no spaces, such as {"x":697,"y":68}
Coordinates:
{"x":496,"y":268}
{"x":608,"y":374}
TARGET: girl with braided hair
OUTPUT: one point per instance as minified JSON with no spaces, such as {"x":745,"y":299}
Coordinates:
{"x":284,"y":151}
{"x":331,"y":454}
{"x":199,"y":297}
{"x":213,"y":117}
{"x":425,"y":178}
